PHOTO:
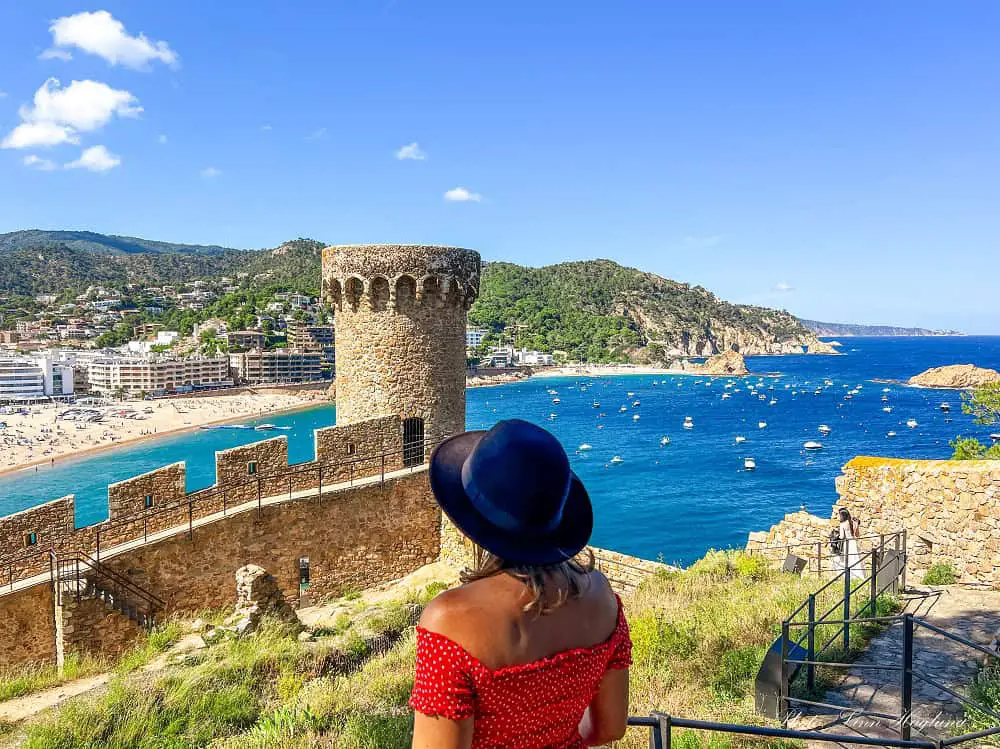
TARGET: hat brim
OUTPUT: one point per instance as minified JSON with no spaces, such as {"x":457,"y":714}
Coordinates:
{"x":564,"y":542}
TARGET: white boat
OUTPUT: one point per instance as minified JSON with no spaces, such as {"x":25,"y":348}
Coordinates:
{"x":551,"y":392}
{"x":995,"y":437}
{"x":725,"y":396}
{"x":749,"y":464}
{"x":556,"y":401}
{"x":623,"y":409}
{"x":553,"y":416}
{"x":596,"y":404}
{"x":584,"y":447}
{"x":890,"y":435}
{"x":773,"y":402}
{"x":886,"y":390}
{"x":740,"y":439}
{"x":664,"y":440}
{"x":885,"y":398}
{"x":887,"y":409}
{"x":813,"y":445}
{"x":618,"y":459}
{"x":762,"y":397}
{"x":635,"y":404}
{"x":762,"y":425}
{"x":946,"y":407}
{"x":635,"y":417}
{"x":824,"y":429}
{"x":911,"y":423}
{"x":265,"y":427}
{"x":629,"y":394}
{"x":688,"y":423}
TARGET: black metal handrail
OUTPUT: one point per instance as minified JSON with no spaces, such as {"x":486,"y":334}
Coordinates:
{"x":85,"y":573}
{"x":202,"y":496}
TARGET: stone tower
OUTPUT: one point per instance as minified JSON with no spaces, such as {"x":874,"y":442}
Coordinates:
{"x":400,"y":313}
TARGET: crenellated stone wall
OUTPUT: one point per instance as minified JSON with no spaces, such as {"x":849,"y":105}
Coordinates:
{"x":805,"y":533}
{"x":163,"y":486}
{"x":27,"y":626}
{"x":355,"y":449}
{"x":949,"y":508}
{"x":52,"y":523}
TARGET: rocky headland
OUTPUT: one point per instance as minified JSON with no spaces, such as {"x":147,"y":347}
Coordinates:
{"x":727,"y":363}
{"x":957,"y":376}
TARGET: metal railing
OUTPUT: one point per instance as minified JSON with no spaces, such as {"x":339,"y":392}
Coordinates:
{"x":305,"y":477}
{"x":813,"y":551}
{"x":80,"y":576}
{"x":661,"y":727}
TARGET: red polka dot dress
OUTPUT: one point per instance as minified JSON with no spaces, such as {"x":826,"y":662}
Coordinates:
{"x":536,"y":705}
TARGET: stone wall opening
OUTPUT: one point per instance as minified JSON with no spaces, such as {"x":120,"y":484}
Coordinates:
{"x":413,"y":441}
{"x":379,"y":293}
{"x":354,"y":289}
{"x":406,"y":293}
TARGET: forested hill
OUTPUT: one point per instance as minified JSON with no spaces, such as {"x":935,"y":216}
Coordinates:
{"x":598,"y":310}
{"x":39,"y":263}
{"x":592,"y":310}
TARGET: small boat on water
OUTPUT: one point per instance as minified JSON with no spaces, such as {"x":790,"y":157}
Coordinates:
{"x":584,"y":447}
{"x":623,"y":409}
{"x":749,"y":464}
{"x":618,"y":459}
{"x":886,"y":390}
{"x":635,"y":404}
{"x":911,"y":423}
{"x":995,"y":437}
{"x":635,"y":417}
{"x":740,"y":439}
{"x":885,"y":398}
{"x":762,"y":425}
{"x":553,"y":416}
{"x":824,"y":429}
{"x":688,"y":423}
{"x":552,"y":392}
{"x":813,"y":445}
{"x":773,"y":402}
{"x":890,"y":435}
{"x":629,"y":394}
{"x":664,"y":440}
{"x":596,"y":404}
{"x":235,"y":426}
{"x":887,"y":409}
{"x":725,"y":396}
{"x":946,"y":407}
{"x":556,"y":401}
{"x":265,"y":427}
{"x":762,"y":397}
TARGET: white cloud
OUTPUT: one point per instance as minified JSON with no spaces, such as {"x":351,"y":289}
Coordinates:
{"x":57,"y":114}
{"x":39,"y":134}
{"x":461,"y":195}
{"x":95,"y":159}
{"x":210,"y":172}
{"x":3,"y":94}
{"x":783,"y":287}
{"x":56,"y":54}
{"x":266,"y":127}
{"x":411,"y":151}
{"x":317,"y":134}
{"x":103,"y":35}
{"x":161,"y":139}
{"x":36,"y":162}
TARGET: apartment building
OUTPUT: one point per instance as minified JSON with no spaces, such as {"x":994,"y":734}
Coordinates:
{"x":157,"y":375}
{"x":282,"y":365}
{"x":313,"y":338}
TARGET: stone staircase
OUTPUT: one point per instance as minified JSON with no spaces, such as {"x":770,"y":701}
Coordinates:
{"x":96,"y":608}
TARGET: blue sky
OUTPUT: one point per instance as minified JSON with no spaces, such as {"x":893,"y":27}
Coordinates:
{"x":838,"y":159}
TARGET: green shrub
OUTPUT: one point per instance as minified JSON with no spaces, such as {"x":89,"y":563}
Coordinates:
{"x":985,"y":692}
{"x":941,"y":574}
{"x":737,"y":670}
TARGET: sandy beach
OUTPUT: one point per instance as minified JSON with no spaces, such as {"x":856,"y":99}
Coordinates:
{"x":41,"y":437}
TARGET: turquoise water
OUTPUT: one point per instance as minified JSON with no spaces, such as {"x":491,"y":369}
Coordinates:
{"x":675,"y":500}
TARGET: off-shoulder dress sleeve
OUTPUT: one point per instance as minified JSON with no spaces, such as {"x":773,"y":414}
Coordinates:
{"x":621,"y":653}
{"x":443,"y":685}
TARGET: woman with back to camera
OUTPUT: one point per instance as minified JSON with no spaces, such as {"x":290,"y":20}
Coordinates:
{"x":848,"y":530}
{"x":532,"y":650}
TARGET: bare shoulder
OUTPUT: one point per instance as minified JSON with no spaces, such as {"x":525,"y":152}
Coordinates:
{"x":442,"y":613}
{"x":602,"y":596}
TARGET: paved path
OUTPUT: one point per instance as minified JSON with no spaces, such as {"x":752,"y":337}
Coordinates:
{"x":970,"y":613}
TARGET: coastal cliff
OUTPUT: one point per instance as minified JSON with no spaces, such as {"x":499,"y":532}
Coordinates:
{"x":957,"y":376}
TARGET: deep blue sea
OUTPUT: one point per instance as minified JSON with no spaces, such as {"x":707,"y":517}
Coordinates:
{"x":676,"y":500}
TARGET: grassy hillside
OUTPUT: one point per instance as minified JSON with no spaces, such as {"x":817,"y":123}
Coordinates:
{"x":89,"y":241}
{"x":698,"y":637}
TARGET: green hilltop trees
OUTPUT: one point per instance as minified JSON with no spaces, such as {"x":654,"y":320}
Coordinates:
{"x":983,"y":404}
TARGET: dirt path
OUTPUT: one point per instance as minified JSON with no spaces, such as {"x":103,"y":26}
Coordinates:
{"x":973,"y":614}
{"x":21,"y":708}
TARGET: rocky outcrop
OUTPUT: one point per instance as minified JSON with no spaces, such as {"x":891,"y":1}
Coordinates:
{"x":956,"y":376}
{"x":728,"y":363}
{"x":484,"y":377}
{"x":822,"y":347}
{"x":257,"y":596}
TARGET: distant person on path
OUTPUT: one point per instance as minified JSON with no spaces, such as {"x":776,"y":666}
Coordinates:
{"x":849,"y":530}
{"x":532,"y":650}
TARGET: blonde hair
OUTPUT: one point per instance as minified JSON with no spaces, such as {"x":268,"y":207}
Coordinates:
{"x":549,"y":585}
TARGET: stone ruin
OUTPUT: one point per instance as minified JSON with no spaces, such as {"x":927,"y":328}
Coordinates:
{"x":258,"y":596}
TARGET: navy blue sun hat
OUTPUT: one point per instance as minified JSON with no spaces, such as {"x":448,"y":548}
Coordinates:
{"x":512,"y":492}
